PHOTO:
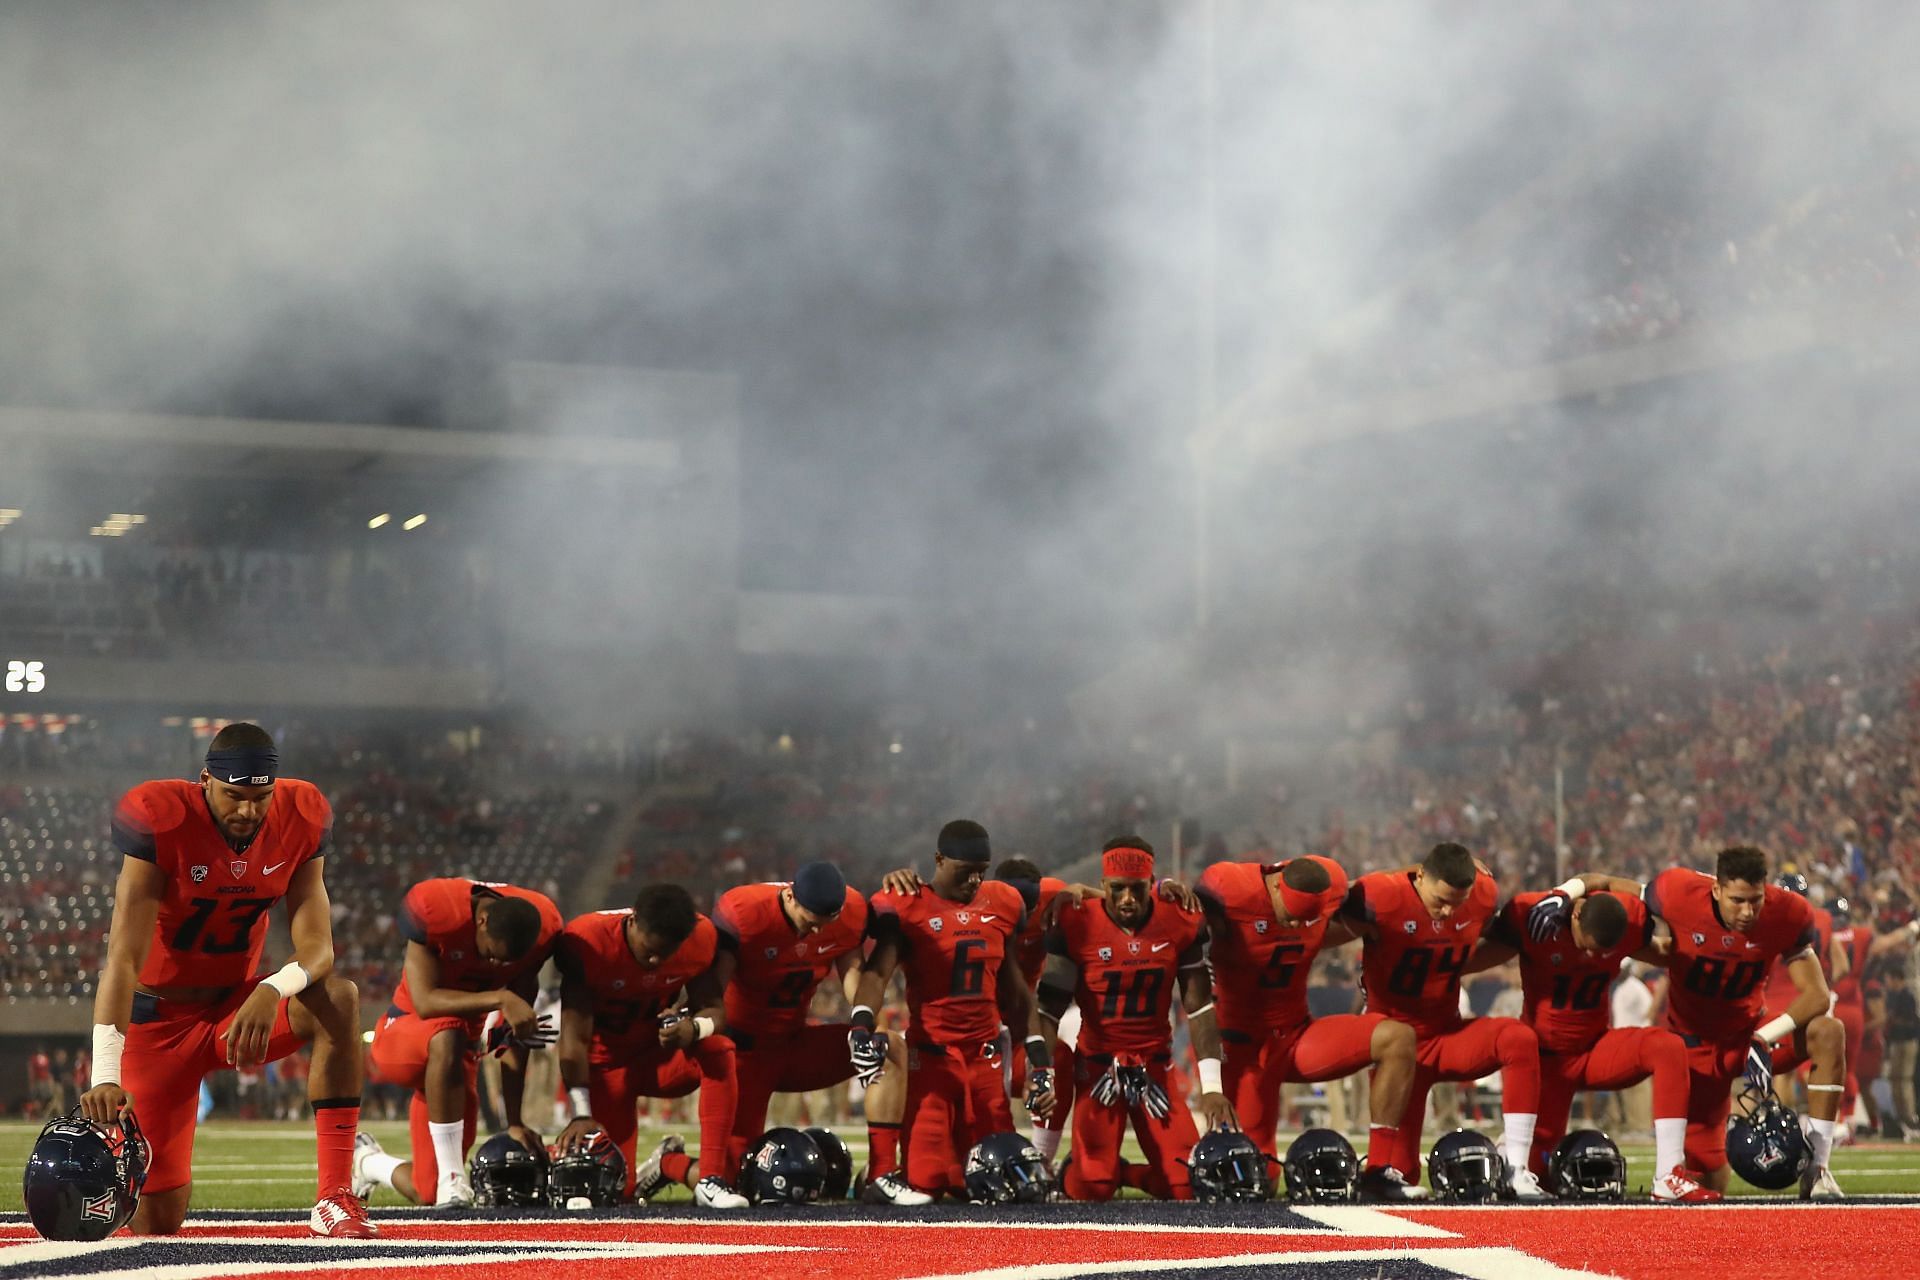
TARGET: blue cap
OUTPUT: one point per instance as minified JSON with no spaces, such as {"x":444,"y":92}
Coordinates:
{"x":820,"y":888}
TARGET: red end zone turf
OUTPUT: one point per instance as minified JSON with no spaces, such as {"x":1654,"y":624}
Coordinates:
{"x":1756,"y":1242}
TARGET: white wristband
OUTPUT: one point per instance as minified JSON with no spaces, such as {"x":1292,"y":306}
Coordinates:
{"x":1209,"y":1075}
{"x":289,"y":979}
{"x":108,"y":1041}
{"x":1773,"y":1031}
{"x":1575,"y":888}
{"x":578,"y":1099}
{"x":702,"y":1028}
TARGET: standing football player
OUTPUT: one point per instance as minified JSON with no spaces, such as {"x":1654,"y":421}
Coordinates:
{"x":180,"y":995}
{"x":1727,"y":928}
{"x":1119,"y":962}
{"x":1565,"y":976}
{"x":1267,"y":923}
{"x":954,"y":940}
{"x":625,"y":1035}
{"x":474,"y":952}
{"x":776,"y":943}
{"x":1420,"y":926}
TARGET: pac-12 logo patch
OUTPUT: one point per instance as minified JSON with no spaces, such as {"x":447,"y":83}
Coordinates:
{"x":199,"y":874}
{"x":1106,"y":953}
{"x":1412,"y":926}
{"x":937,"y":923}
{"x":1699,"y":939}
{"x":1259,"y":926}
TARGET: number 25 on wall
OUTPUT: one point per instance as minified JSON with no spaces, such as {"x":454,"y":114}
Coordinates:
{"x":29,"y":677}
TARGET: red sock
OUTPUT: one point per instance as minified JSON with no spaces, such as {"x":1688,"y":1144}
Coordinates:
{"x":1380,"y":1141}
{"x":883,"y":1148}
{"x":335,"y":1121}
{"x":676,"y":1164}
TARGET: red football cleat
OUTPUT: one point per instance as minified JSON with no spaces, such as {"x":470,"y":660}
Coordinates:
{"x":1682,"y":1186}
{"x":342,"y":1216}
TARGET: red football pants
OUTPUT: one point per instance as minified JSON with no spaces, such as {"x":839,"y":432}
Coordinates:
{"x":1476,"y":1048}
{"x":1853,"y":1021}
{"x":1621,"y":1057}
{"x":1711,"y":1070}
{"x":170,"y":1048}
{"x":649,"y":1072}
{"x":1253,"y":1066}
{"x":809,"y":1058}
{"x":1099,"y":1129}
{"x":399,"y":1054}
{"x":956,"y":1095}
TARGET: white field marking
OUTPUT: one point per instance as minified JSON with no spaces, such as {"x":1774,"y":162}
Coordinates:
{"x":1361,"y":1220}
{"x":1384,"y":1225}
{"x":341,"y":1259}
{"x":1480,"y":1263}
{"x":35,"y":1250}
{"x":308,"y":1240}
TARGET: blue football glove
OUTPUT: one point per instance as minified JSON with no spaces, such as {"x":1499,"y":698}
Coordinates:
{"x":869,"y":1051}
{"x":1106,"y":1090}
{"x":1548,"y":916}
{"x":1760,"y":1065}
{"x":1039,"y":1083}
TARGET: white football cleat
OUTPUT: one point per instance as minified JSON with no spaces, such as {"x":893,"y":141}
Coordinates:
{"x":1817,"y":1184}
{"x":1522,"y":1185}
{"x":1387,"y":1185}
{"x":1682,"y":1186}
{"x":891,"y":1188}
{"x":648,"y":1178}
{"x":364,"y":1145}
{"x":713,"y":1193}
{"x":455,"y":1191}
{"x":341,"y":1216}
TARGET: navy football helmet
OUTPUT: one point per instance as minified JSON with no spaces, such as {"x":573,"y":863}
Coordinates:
{"x":782,"y":1166}
{"x":1321,"y":1167}
{"x":839,"y":1181}
{"x":1465,"y":1165}
{"x":592,"y":1175}
{"x":83,"y":1180}
{"x":1005,"y":1168}
{"x":1793,"y":882}
{"x":1764,"y":1143}
{"x":507,"y":1175}
{"x":1225,"y":1166}
{"x":1587,"y":1166}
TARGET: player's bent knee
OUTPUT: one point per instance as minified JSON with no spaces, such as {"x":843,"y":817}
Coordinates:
{"x":1826,"y":1036}
{"x":161,"y":1213}
{"x":1516,"y":1039}
{"x":1394,"y":1042}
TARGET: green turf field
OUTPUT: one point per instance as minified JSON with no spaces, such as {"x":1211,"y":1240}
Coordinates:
{"x":259,"y":1165}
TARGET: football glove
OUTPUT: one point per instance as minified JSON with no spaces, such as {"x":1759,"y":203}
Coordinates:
{"x":1548,"y":916}
{"x":499,"y":1036}
{"x":1760,"y":1065}
{"x":1039,"y":1081}
{"x":869,"y":1051}
{"x":1106,"y":1090}
{"x":1141,"y":1091}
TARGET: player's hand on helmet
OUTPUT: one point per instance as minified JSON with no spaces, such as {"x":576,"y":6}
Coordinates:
{"x":1759,"y":1070}
{"x":869,"y":1053}
{"x":904,"y":882}
{"x":251,"y":1027}
{"x":1547,"y":917}
{"x":1040,"y":1096}
{"x":518,"y":1015}
{"x":103,"y":1103}
{"x":1218,"y":1112}
{"x":527,"y":1138}
{"x":677,"y":1030}
{"x":1180,"y":894}
{"x":578,"y":1133}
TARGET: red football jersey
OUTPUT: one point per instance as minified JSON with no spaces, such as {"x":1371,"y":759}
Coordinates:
{"x":1858,"y":940}
{"x":1127,"y":980}
{"x":1715,"y":991}
{"x":1260,"y":966}
{"x":1564,"y":988}
{"x":438,"y":914}
{"x":777,"y":970}
{"x":1031,"y":946}
{"x":627,"y":995}
{"x":1780,"y":989}
{"x":212,"y":924}
{"x":1411,"y":970}
{"x":952,"y":953}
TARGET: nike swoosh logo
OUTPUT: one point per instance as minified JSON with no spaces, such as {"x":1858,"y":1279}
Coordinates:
{"x":984,"y":919}
{"x":267,"y":871}
{"x":823,"y":950}
{"x":1161,"y":946}
{"x":242,"y":778}
{"x":1461,"y":925}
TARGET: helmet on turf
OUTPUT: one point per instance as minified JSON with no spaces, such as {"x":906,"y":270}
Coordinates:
{"x":1764,"y":1143}
{"x":1792,"y":880}
{"x":782,"y":1166}
{"x":83,"y":1179}
{"x":1321,"y":1167}
{"x":1225,"y":1166}
{"x":592,"y":1175}
{"x":1004,"y":1168}
{"x":839,"y":1180}
{"x":1587,"y":1166}
{"x":1465,"y":1165}
{"x":507,"y":1175}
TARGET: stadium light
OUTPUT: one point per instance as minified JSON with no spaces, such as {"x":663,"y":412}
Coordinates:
{"x":378,"y":520}
{"x":414,"y":523}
